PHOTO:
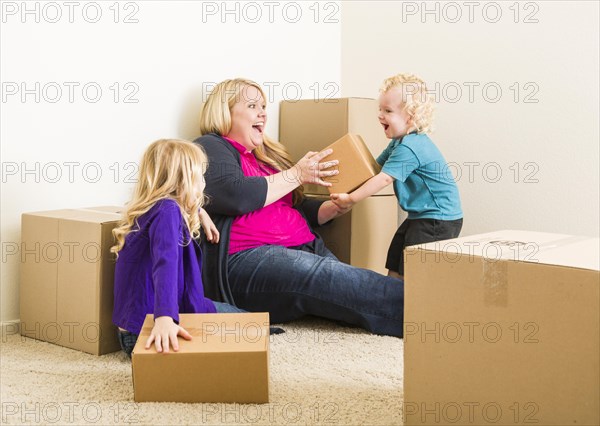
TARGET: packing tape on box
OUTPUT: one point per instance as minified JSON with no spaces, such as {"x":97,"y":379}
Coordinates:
{"x":495,"y":271}
{"x":495,"y":283}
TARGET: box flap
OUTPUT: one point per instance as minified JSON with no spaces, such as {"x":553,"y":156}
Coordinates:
{"x":92,"y":215}
{"x":111,"y":209}
{"x":524,"y":246}
{"x":215,"y":333}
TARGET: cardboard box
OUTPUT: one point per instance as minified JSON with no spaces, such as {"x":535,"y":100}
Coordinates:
{"x":356,"y":166}
{"x":67,"y":273}
{"x":503,"y":328}
{"x":227,"y":360}
{"x":360,"y":237}
{"x":311,"y":125}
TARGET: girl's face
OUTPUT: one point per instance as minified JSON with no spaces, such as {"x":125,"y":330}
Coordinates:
{"x":392,"y":116}
{"x":248,"y":118}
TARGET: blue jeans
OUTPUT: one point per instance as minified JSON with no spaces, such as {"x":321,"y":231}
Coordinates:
{"x":128,"y":339}
{"x":290,"y":283}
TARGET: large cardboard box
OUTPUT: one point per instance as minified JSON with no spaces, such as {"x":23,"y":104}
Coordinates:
{"x":362,"y":236}
{"x":356,"y":164}
{"x":67,"y":273}
{"x":227,"y":360}
{"x":503,"y":328}
{"x":311,"y":125}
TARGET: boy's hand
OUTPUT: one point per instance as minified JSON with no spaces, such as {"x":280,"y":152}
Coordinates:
{"x":212,"y":234}
{"x":342,"y":201}
{"x":164,"y":331}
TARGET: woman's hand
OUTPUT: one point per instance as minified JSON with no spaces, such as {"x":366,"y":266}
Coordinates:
{"x":329,"y":210}
{"x":211,"y":231}
{"x":310,"y":169}
{"x":343,"y":202}
{"x":164,"y":331}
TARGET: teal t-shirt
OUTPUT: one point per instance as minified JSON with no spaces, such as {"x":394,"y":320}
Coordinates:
{"x":423,"y":182}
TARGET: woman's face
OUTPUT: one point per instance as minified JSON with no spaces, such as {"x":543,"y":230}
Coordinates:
{"x":248,"y":118}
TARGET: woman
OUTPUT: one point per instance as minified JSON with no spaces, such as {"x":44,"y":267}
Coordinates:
{"x":269,"y":259}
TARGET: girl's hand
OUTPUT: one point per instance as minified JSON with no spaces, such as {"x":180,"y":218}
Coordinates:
{"x":342,"y":201}
{"x":164,"y":331}
{"x":212,"y":234}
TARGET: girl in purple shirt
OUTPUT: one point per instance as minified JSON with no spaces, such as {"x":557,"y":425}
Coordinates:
{"x":158,"y":268}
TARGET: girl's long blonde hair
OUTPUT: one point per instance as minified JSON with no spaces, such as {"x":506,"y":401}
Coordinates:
{"x":170,"y":169}
{"x":216,"y":118}
{"x":416,"y":99}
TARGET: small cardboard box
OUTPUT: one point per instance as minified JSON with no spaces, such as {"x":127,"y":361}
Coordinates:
{"x":227,"y":360}
{"x":67,"y":274}
{"x":502,"y":328}
{"x":312,"y":124}
{"x":356,"y":166}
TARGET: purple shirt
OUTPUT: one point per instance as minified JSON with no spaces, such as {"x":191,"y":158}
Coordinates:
{"x":279,"y":223}
{"x":156,"y":273}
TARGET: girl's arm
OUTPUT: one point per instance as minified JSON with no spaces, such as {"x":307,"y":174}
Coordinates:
{"x":164,"y":234}
{"x":165,"y":332}
{"x":370,"y":187}
{"x":210,"y":230}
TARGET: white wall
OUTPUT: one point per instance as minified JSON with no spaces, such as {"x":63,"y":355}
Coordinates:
{"x":170,"y":53}
{"x":554,"y":143}
{"x":168,"y":56}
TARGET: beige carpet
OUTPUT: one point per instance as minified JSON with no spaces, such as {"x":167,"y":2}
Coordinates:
{"x":320,"y":373}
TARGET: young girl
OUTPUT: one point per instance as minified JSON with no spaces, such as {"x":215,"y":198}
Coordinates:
{"x":422,"y":182}
{"x":158,"y":267}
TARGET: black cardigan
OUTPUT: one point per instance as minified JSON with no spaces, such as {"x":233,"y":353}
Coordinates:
{"x":231,"y":194}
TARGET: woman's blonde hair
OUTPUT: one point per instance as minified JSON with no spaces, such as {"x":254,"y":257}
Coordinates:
{"x":416,"y":100}
{"x":170,"y":169}
{"x":216,"y":118}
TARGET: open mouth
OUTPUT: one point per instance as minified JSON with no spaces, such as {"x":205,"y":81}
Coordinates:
{"x":385,"y":126}
{"x":259,"y":126}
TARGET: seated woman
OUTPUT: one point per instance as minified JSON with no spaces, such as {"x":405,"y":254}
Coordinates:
{"x":269,"y":258}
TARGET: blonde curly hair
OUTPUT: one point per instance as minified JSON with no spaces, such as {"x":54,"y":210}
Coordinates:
{"x":416,"y":100}
{"x":170,"y":169}
{"x":216,"y":118}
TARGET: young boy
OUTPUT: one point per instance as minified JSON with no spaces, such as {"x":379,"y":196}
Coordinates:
{"x":422,"y":182}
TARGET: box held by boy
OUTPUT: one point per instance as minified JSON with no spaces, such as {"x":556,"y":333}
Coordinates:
{"x":356,"y":164}
{"x":312,"y":124}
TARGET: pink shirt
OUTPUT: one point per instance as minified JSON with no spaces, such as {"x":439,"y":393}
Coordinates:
{"x":279,"y":223}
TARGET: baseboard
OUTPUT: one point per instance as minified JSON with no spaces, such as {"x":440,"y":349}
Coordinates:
{"x":10,"y":327}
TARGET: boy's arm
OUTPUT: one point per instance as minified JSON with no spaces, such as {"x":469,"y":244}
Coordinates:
{"x":370,"y":187}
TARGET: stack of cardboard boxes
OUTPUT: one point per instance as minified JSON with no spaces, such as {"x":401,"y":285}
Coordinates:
{"x":500,"y":328}
{"x":360,"y":238}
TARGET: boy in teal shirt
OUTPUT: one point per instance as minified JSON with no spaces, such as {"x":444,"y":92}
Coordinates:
{"x":423,"y":184}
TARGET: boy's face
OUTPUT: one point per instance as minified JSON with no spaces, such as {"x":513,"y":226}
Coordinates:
{"x":392,"y":116}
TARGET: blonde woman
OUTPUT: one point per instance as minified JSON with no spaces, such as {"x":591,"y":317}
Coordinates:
{"x":158,"y":269}
{"x":422,"y":180}
{"x":269,"y":258}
